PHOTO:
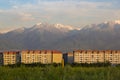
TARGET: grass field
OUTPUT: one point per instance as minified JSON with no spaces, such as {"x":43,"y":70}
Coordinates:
{"x":58,"y":73}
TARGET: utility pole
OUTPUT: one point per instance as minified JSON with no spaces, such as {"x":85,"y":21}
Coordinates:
{"x":62,"y":63}
{"x":62,"y":69}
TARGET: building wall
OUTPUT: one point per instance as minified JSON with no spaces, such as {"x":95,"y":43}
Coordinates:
{"x":112,"y":56}
{"x":82,"y":56}
{"x":77,"y":56}
{"x":57,"y":57}
{"x":49,"y":56}
{"x":97,"y":56}
{"x":46,"y":56}
{"x":108,"y":56}
{"x":25,"y":56}
{"x":28,"y":57}
{"x":116,"y":57}
{"x":101,"y":56}
{"x":1,"y":58}
{"x":36,"y":56}
{"x":70,"y":58}
{"x":89,"y":56}
{"x":10,"y":57}
{"x":65,"y":57}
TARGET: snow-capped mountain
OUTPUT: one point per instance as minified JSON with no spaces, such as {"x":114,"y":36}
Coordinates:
{"x":95,"y":36}
{"x":58,"y":26}
{"x":105,"y":35}
{"x":53,"y":27}
{"x":67,"y":27}
{"x":41,"y":35}
{"x":105,"y":26}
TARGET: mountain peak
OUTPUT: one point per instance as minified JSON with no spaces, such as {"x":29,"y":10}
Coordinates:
{"x":19,"y":30}
{"x":61,"y":26}
{"x":112,"y":22}
{"x":117,"y":21}
{"x":38,"y":24}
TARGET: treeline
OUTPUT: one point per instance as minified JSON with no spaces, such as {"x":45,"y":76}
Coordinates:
{"x":32,"y":65}
{"x":106,"y":64}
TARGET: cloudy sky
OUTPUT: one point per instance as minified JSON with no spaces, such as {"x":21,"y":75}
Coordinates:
{"x":24,"y":13}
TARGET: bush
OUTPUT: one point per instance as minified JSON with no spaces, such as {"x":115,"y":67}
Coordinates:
{"x":51,"y":72}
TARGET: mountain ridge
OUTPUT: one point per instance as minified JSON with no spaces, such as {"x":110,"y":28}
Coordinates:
{"x":105,"y":35}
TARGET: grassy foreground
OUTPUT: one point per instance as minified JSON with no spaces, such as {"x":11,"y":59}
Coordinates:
{"x":57,"y":73}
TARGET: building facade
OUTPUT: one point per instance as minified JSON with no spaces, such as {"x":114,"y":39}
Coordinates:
{"x":56,"y":56}
{"x":36,"y":56}
{"x":68,"y":57}
{"x":41,"y":56}
{"x":1,"y":58}
{"x":10,"y":57}
{"x":95,"y":56}
{"x":112,"y":56}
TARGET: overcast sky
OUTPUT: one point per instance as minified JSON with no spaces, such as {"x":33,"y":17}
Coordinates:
{"x":24,"y":13}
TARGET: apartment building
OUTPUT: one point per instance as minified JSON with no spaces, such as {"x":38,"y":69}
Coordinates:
{"x":68,"y":57}
{"x":10,"y":57}
{"x":1,"y":58}
{"x":78,"y":56}
{"x":101,"y":56}
{"x":40,"y":56}
{"x":36,"y":56}
{"x":112,"y":56}
{"x":56,"y":56}
{"x":94,"y":56}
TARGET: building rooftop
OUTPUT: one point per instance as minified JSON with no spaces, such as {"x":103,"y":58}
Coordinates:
{"x":97,"y":51}
{"x":10,"y":52}
{"x":56,"y":51}
{"x":40,"y":51}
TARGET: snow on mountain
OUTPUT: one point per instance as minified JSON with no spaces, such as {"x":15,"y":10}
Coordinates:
{"x":53,"y":27}
{"x":60,"y":26}
{"x":45,"y":27}
{"x":117,"y":21}
{"x":105,"y":26}
{"x":38,"y":24}
{"x":19,"y":30}
{"x":43,"y":36}
{"x":112,"y":22}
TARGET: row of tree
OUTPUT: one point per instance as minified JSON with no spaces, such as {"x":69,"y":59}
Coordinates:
{"x":106,"y":64}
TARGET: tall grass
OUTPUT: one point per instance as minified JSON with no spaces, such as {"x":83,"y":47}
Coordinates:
{"x":59,"y":73}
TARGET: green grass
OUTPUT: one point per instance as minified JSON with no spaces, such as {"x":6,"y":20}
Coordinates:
{"x":57,"y":73}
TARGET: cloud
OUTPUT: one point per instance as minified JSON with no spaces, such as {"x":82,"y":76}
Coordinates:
{"x":15,"y":7}
{"x":73,"y":12}
{"x":1,"y":11}
{"x":25,"y":16}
